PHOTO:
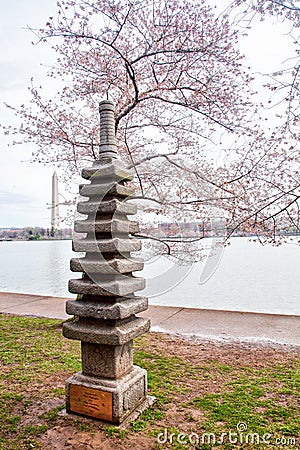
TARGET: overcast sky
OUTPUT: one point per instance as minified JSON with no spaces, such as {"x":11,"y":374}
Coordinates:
{"x":25,"y":188}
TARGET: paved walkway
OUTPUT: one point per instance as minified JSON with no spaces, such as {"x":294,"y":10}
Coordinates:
{"x":201,"y":323}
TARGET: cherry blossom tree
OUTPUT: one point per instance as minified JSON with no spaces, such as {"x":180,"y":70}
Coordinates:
{"x":284,"y":80}
{"x":185,"y":118}
{"x":275,"y":172}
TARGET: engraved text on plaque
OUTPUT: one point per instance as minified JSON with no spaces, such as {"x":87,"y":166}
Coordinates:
{"x":91,"y":402}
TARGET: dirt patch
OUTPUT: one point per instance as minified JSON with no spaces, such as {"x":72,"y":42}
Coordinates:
{"x":71,"y":439}
{"x":211,"y":366}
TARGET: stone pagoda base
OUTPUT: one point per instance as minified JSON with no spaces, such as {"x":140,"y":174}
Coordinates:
{"x":105,"y":399}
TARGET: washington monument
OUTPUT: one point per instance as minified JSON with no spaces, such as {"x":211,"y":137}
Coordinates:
{"x":54,"y":205}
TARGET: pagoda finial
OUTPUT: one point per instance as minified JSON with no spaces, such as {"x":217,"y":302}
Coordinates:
{"x":107,"y":127}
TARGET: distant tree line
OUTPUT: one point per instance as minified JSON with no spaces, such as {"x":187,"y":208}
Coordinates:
{"x":34,"y":233}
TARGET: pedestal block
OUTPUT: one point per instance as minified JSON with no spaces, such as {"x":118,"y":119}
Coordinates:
{"x":111,"y":400}
{"x":107,"y":361}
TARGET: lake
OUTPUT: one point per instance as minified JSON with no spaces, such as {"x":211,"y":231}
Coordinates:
{"x":249,"y":277}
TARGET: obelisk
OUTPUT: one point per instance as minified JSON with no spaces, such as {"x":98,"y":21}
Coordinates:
{"x":54,"y":205}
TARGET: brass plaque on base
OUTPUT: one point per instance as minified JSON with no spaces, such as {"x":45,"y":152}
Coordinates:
{"x":91,"y":402}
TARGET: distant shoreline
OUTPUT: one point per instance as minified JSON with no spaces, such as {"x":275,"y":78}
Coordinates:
{"x":34,"y":240}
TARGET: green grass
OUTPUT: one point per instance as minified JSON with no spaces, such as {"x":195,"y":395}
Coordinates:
{"x":36,"y":360}
{"x":254,"y":399}
{"x":31,"y":351}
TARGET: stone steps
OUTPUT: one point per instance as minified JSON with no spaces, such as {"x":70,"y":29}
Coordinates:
{"x":121,"y":309}
{"x":106,"y":245}
{"x":113,"y":206}
{"x":118,"y":287}
{"x":105,"y":334}
{"x":113,"y":225}
{"x":102,"y":189}
{"x":100,"y":265}
{"x":112,"y":171}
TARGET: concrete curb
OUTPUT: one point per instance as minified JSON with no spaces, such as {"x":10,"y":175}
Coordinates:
{"x":197,"y":323}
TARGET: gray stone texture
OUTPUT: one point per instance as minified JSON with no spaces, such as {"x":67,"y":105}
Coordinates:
{"x":110,"y":170}
{"x":105,"y":310}
{"x":106,"y":245}
{"x":107,"y":128}
{"x":128,"y":391}
{"x":107,"y":361}
{"x":113,"y":206}
{"x":96,"y":264}
{"x":120,"y":309}
{"x":103,"y":189}
{"x":97,"y":286}
{"x":104,"y":333}
{"x":113,"y":226}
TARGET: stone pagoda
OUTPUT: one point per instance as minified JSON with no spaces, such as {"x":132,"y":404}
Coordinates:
{"x":109,"y":387}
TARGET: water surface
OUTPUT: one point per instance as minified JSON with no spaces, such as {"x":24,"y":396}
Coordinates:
{"x":249,"y":277}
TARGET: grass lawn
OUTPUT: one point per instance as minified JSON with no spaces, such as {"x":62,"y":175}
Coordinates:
{"x":209,"y":395}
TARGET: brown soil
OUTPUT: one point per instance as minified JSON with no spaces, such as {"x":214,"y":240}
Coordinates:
{"x":72,"y":432}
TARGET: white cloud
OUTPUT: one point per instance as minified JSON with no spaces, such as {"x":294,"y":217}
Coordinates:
{"x":14,"y":198}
